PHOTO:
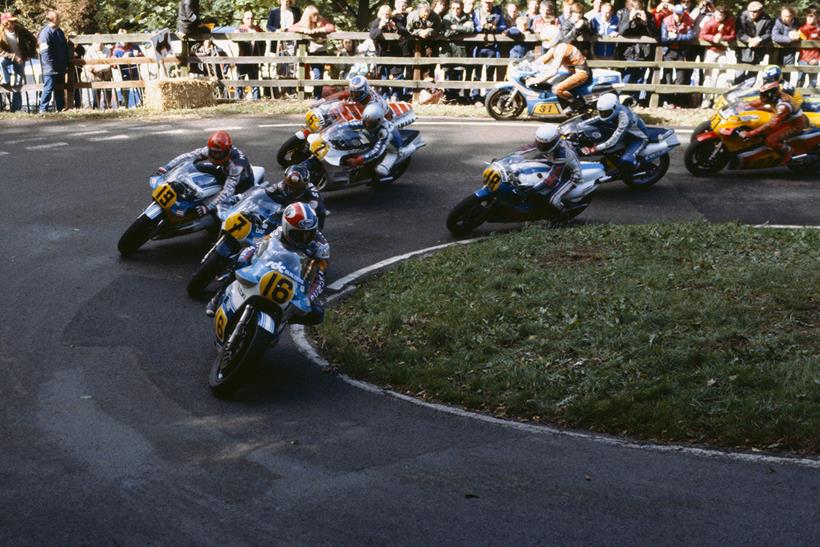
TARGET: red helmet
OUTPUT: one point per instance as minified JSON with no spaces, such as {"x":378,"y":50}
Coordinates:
{"x":219,"y":147}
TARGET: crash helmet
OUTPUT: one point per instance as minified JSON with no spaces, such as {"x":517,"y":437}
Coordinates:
{"x":372,"y":117}
{"x":607,"y":106}
{"x":550,"y":36}
{"x":773,"y":73}
{"x":295,"y":180}
{"x":299,"y":224}
{"x":547,"y":138}
{"x":219,"y":147}
{"x":359,"y":88}
{"x":770,"y":93}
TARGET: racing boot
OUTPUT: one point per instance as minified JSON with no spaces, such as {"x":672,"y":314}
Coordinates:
{"x":557,"y":198}
{"x":213,"y":304}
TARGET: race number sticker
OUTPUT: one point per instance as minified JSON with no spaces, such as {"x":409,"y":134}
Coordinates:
{"x":164,"y":195}
{"x":220,"y":322}
{"x":313,"y":122}
{"x":546,"y":109}
{"x":276,"y":287}
{"x":319,"y":148}
{"x":492,"y":178}
{"x":238,"y":226}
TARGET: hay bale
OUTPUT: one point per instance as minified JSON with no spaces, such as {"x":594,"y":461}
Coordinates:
{"x":180,"y":93}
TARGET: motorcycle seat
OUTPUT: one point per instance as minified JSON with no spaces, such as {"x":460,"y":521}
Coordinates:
{"x":811,"y":106}
{"x":657,"y":134}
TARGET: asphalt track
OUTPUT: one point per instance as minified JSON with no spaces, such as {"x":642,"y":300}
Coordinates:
{"x":110,"y":435}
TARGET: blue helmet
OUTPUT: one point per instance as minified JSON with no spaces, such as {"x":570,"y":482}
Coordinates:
{"x":772,"y":73}
{"x":359,"y":88}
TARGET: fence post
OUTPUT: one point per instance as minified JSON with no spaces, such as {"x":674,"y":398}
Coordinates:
{"x":301,"y":50}
{"x":654,"y":98}
{"x":184,"y":69}
{"x":416,"y":71}
{"x":68,"y":90}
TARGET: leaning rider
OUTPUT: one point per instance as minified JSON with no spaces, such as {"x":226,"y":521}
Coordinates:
{"x":788,"y":120}
{"x":233,"y":168}
{"x":296,"y":186}
{"x":774,"y":73}
{"x":360,"y":92}
{"x":627,"y":131}
{"x":382,"y":134}
{"x":566,"y":168}
{"x":299,"y":233}
{"x":561,"y":55}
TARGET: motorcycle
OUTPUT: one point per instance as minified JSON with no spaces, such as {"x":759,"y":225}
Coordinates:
{"x":333,"y":145}
{"x":510,"y":98}
{"x":253,"y":217}
{"x":175,"y":196}
{"x":653,"y":159}
{"x":254,"y":311}
{"x":710,"y":151}
{"x":506,"y":197}
{"x":296,"y":149}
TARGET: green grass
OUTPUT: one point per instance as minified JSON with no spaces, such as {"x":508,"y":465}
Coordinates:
{"x":685,"y":332}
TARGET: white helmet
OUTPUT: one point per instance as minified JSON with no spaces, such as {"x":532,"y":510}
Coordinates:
{"x":547,"y":137}
{"x":372,"y":116}
{"x":550,"y":36}
{"x":607,"y":106}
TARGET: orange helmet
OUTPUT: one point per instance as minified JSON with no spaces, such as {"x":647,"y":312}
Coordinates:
{"x":219,"y":147}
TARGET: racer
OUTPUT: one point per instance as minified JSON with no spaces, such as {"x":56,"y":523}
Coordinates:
{"x":233,"y":168}
{"x":561,"y":55}
{"x":774,"y":73}
{"x":788,"y":120}
{"x":627,"y":129}
{"x":566,"y":168}
{"x":383,"y":134}
{"x":299,"y":233}
{"x":360,"y":92}
{"x":296,"y":186}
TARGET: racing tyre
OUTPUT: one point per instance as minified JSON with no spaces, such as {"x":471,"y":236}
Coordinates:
{"x":702,"y":159}
{"x":207,"y":271}
{"x":237,"y":358}
{"x":137,"y":234}
{"x":468,"y":215}
{"x":292,"y":152}
{"x":502,"y":105}
{"x":702,"y":127}
{"x":650,"y":173}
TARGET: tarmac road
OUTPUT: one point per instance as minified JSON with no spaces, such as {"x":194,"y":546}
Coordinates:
{"x":110,"y":434}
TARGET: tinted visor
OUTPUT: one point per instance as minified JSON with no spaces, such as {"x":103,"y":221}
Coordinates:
{"x":301,"y":237}
{"x":606,"y":114}
{"x":218,"y":156}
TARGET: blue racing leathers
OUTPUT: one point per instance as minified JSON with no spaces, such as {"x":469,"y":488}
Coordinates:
{"x":236,"y":173}
{"x":628,"y":131}
{"x":564,"y":175}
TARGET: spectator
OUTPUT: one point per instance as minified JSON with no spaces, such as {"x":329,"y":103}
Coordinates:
{"x":566,"y":11}
{"x":128,"y":73}
{"x":635,"y":22}
{"x":100,"y":98}
{"x":401,"y":9}
{"x":546,"y":17}
{"x":188,"y":19}
{"x":604,"y":25}
{"x":519,"y":32}
{"x":719,"y":31}
{"x":386,"y":22}
{"x":54,"y":52}
{"x":810,"y":31}
{"x":456,"y":23}
{"x":17,"y":46}
{"x":786,"y":31}
{"x":488,"y":20}
{"x":754,"y":28}
{"x":701,"y":12}
{"x":283,"y":17}
{"x":532,"y":11}
{"x":424,"y":26}
{"x":596,"y":9}
{"x":511,"y":13}
{"x":208,"y":48}
{"x":255,"y":48}
{"x":317,"y":27}
{"x":663,"y":10}
{"x":677,"y":29}
{"x":440,"y":8}
{"x":575,"y":29}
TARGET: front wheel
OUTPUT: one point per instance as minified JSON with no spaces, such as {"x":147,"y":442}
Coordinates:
{"x":704,"y":158}
{"x":648,"y":173}
{"x":502,"y":104}
{"x":702,"y":127}
{"x":292,"y":151}
{"x":468,"y":215}
{"x":137,"y":234}
{"x":208,"y":270}
{"x":245,"y":346}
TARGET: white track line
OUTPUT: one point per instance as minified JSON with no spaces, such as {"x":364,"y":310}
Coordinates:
{"x":31,"y":139}
{"x":263,"y":125}
{"x":109,"y":138}
{"x":231,"y":128}
{"x":171,"y":132}
{"x":2,"y":153}
{"x":149,"y":127}
{"x":343,"y":286}
{"x":787,"y":226}
{"x":44,"y":146}
{"x":87,"y":133}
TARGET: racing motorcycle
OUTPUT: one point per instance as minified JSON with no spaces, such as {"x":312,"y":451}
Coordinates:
{"x":255,"y":309}
{"x":721,"y":146}
{"x":253,"y":217}
{"x":296,"y":149}
{"x":175,"y":196}
{"x":510,"y":98}
{"x":653,"y":159}
{"x":333,"y":145}
{"x":506,"y":197}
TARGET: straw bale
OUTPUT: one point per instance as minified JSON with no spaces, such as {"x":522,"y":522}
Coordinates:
{"x":172,"y":94}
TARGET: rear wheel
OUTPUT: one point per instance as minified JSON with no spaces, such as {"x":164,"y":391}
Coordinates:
{"x":208,"y":270}
{"x":237,"y":358}
{"x":648,"y":173}
{"x":810,"y":167}
{"x":503,"y":105}
{"x":704,"y":158}
{"x":292,"y":151}
{"x":469,"y":214}
{"x":137,"y":234}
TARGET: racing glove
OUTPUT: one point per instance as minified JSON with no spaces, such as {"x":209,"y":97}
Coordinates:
{"x":588,"y":150}
{"x":161,"y":170}
{"x":355,"y":161}
{"x":201,"y":210}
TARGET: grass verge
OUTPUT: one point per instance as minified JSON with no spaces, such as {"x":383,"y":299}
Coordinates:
{"x":684,"y":332}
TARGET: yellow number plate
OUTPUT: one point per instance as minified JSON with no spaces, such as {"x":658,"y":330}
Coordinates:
{"x":546,"y":109}
{"x":492,"y":178}
{"x":220,"y":322}
{"x":276,"y":287}
{"x":238,"y":226}
{"x":319,"y":148}
{"x":313,"y":122}
{"x":164,"y":195}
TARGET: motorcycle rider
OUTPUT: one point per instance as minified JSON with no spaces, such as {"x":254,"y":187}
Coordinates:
{"x":788,"y":120}
{"x":299,"y":233}
{"x":233,"y":168}
{"x":383,"y":134}
{"x":358,"y":92}
{"x":566,"y":168}
{"x":296,"y":186}
{"x":774,"y":73}
{"x":627,"y":129}
{"x":561,"y":55}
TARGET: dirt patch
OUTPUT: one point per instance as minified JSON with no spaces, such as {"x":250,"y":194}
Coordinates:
{"x":586,"y":254}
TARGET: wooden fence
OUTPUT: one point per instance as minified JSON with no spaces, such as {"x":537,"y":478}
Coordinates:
{"x":301,"y":59}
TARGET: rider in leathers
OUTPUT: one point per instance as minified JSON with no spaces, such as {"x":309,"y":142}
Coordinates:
{"x":296,"y":186}
{"x":627,"y":129}
{"x":788,"y":120}
{"x":383,"y":134}
{"x":566,"y":168}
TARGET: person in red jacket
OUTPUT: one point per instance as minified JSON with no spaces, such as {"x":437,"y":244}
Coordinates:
{"x":719,"y":30}
{"x":662,"y":11}
{"x":810,"y":31}
{"x":788,"y":120}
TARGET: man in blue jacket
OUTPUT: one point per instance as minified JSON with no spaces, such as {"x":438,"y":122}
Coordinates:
{"x":53,"y":60}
